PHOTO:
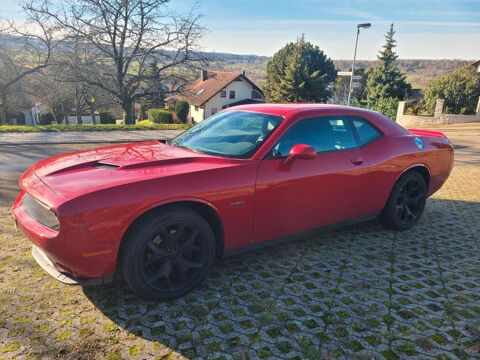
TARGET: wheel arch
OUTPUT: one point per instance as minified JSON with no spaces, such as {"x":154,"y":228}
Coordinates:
{"x":206,"y":210}
{"x":422,"y":169}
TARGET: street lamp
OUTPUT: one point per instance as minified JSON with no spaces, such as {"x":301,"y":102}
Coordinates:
{"x":359,"y":26}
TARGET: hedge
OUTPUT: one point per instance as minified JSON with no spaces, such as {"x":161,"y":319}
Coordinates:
{"x":160,"y":116}
{"x":107,"y":118}
{"x":181,"y":109}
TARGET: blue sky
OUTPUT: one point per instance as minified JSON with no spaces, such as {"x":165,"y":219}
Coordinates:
{"x":429,"y":29}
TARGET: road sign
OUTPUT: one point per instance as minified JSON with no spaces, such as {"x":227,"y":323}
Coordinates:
{"x":349,"y":73}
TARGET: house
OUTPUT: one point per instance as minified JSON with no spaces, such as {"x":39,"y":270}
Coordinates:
{"x":476,"y":65}
{"x":217,"y":90}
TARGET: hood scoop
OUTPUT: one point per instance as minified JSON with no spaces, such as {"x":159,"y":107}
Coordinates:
{"x":106,"y":166}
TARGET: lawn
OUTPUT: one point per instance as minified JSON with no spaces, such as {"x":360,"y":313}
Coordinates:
{"x":102,"y":127}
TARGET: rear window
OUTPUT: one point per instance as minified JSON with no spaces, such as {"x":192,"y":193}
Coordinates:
{"x":366,"y":132}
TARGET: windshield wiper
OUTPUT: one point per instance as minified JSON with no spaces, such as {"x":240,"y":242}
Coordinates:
{"x":187,"y":147}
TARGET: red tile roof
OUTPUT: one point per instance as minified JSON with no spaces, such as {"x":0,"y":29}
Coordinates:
{"x":200,"y":91}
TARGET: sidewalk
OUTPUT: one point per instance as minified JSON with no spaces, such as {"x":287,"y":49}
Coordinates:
{"x":87,"y":137}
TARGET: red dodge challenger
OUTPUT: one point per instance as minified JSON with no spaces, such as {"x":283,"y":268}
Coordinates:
{"x":160,"y":213}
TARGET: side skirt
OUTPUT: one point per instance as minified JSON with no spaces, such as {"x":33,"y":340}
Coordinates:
{"x":277,"y":241}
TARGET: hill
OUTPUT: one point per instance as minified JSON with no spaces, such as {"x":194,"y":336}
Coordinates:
{"x":418,"y":71}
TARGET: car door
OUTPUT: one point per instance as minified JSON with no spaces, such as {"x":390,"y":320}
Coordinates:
{"x":309,"y":194}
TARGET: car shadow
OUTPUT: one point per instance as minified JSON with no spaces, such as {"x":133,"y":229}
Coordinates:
{"x":314,"y":296}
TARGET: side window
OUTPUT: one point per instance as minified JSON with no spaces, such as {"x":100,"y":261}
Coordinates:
{"x":324,"y":134}
{"x":365,"y":131}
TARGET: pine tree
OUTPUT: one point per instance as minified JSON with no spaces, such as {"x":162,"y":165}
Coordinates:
{"x":299,"y":72}
{"x":385,"y":80}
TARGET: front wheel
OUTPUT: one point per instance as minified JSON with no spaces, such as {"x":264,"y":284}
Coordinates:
{"x":167,"y":254}
{"x":406,"y":203}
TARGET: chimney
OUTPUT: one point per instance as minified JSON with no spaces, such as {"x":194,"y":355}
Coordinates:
{"x":243,"y":72}
{"x":204,"y":75}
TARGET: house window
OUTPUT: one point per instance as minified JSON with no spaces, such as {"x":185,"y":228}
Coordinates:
{"x":256,"y":95}
{"x":196,"y":108}
{"x":223,"y":94}
{"x":232,"y":94}
{"x":214,"y":111}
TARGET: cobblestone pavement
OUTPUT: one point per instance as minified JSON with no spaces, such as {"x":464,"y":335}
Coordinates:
{"x":359,"y":293}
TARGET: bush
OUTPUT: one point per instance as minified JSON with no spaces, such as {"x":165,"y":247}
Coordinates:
{"x":107,"y":118}
{"x":160,"y":116}
{"x":386,"y":106}
{"x":459,"y":88}
{"x":146,"y":123}
{"x":19,"y":117}
{"x":181,"y":109}
{"x":46,"y":119}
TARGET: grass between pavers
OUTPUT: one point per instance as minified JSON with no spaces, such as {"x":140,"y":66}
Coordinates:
{"x":99,"y":127}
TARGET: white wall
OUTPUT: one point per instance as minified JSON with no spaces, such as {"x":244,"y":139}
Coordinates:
{"x":243,"y":90}
{"x":196,"y":115}
{"x":86,"y":119}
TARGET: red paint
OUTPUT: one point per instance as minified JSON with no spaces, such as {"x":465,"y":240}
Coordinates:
{"x":95,"y":206}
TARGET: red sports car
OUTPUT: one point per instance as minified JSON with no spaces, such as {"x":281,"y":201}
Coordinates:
{"x":160,"y":213}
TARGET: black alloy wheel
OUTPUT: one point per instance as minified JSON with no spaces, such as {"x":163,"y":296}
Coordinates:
{"x":167,"y":254}
{"x":406,"y":203}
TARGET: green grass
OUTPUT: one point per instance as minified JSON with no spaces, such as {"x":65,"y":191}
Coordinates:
{"x":103,"y":127}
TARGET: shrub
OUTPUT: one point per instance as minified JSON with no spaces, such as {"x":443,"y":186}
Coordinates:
{"x":460,"y":88}
{"x":107,"y":118}
{"x":181,"y":109}
{"x":19,"y":117}
{"x":46,"y":119}
{"x":386,"y":106}
{"x":145,"y":123}
{"x":160,"y":116}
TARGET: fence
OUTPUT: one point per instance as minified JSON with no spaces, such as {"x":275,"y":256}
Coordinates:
{"x":438,"y":117}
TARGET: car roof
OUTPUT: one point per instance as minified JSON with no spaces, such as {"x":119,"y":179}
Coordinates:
{"x":282,"y":109}
{"x":297,"y":110}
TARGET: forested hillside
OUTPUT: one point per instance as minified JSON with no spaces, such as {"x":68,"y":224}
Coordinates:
{"x":418,"y":71}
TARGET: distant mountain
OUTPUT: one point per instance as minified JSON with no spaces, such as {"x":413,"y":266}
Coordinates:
{"x":418,"y":71}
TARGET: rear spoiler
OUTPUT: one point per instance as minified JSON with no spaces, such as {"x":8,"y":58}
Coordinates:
{"x":427,"y":133}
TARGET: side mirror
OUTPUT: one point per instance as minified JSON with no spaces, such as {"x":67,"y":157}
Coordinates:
{"x":300,"y":151}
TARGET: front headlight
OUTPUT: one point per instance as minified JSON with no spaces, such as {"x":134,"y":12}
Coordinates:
{"x":40,"y":212}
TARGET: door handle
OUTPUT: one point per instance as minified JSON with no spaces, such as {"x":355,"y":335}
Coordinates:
{"x":357,"y":161}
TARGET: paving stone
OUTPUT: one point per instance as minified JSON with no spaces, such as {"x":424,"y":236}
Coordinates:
{"x":363,"y":292}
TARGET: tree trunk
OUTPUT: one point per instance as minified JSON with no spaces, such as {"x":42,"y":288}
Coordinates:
{"x":92,"y":115}
{"x":3,"y":111}
{"x":77,"y":105}
{"x":127,"y":106}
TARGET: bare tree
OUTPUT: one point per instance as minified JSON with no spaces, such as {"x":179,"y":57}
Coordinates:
{"x":120,"y":38}
{"x":24,"y":50}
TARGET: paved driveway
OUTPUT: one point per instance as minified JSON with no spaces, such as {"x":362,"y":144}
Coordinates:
{"x":359,"y":293}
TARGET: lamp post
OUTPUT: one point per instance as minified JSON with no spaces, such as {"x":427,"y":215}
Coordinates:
{"x":359,"y":26}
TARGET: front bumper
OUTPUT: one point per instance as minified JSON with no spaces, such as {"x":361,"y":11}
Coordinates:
{"x":69,"y":254}
{"x":45,"y":263}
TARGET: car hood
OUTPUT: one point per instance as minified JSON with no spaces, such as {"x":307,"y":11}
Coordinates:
{"x":74,"y":174}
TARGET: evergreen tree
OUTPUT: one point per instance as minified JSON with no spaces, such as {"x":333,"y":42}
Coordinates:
{"x":385,"y":80}
{"x":299,"y":72}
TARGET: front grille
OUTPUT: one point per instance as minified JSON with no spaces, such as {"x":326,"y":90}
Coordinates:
{"x":39,"y":212}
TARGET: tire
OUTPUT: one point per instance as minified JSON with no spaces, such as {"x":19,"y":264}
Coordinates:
{"x":167,"y":253}
{"x":406,"y":202}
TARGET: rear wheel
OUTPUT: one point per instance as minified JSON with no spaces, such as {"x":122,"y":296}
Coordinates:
{"x":167,"y":254}
{"x":406,"y":203}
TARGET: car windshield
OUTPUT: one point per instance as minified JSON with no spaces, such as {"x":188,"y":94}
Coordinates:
{"x":235,"y":134}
